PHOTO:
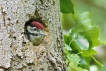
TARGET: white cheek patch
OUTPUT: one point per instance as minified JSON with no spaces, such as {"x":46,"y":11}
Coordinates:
{"x":31,"y":30}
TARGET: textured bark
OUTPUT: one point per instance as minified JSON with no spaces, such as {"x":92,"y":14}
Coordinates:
{"x":16,"y":52}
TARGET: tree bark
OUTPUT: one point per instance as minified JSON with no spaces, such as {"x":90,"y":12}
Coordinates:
{"x":16,"y":52}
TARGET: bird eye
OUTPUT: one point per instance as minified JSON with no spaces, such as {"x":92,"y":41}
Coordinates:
{"x":34,"y":28}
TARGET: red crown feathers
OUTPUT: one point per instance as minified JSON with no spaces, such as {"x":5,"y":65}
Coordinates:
{"x":38,"y":25}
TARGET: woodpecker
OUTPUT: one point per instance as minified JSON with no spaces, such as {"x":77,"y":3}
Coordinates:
{"x":34,"y":31}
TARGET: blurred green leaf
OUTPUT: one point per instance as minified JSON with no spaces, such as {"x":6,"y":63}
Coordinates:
{"x":68,"y":47}
{"x":84,"y":66}
{"x":87,"y":53}
{"x":83,"y":22}
{"x":80,"y":41}
{"x":73,"y":67}
{"x":84,"y":63}
{"x":67,"y":21}
{"x":97,"y":61}
{"x":85,"y":27}
{"x":74,"y":58}
{"x":92,"y":35}
{"x":84,"y":19}
{"x":67,"y":38}
{"x":66,"y":6}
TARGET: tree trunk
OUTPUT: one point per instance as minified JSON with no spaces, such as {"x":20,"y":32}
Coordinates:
{"x":16,"y":52}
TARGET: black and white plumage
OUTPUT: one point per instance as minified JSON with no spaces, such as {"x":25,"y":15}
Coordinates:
{"x":34,"y":31}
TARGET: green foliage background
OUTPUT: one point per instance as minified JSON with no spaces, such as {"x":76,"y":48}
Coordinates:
{"x":81,"y":20}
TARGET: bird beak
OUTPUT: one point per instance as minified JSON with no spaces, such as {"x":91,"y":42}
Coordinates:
{"x":43,"y":34}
